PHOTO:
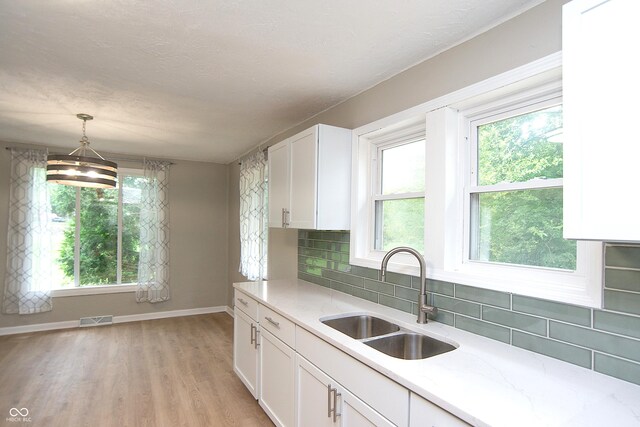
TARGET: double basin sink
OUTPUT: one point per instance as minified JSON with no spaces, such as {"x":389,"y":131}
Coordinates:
{"x":388,"y":337}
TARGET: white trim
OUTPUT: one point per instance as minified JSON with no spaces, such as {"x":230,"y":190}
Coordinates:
{"x":167,"y":314}
{"x":230,"y":311}
{"x":11,"y":330}
{"x":92,"y":290}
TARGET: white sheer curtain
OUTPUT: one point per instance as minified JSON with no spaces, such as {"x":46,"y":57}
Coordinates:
{"x":29,"y":258}
{"x":253,"y":217}
{"x":153,"y":266}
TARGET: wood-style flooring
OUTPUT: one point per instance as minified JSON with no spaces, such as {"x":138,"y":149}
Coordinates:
{"x":166,"y":372}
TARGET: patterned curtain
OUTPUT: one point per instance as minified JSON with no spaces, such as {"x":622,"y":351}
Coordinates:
{"x":29,"y":258}
{"x":253,"y":217}
{"x":153,"y":266}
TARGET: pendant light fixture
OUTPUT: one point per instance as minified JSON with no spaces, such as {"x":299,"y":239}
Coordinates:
{"x":80,"y":170}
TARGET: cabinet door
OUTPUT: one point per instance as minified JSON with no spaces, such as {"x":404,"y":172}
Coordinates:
{"x":279,"y":175}
{"x":423,"y":413}
{"x":276,"y":384}
{"x":245,"y":352}
{"x":304,"y":157}
{"x":353,"y":412}
{"x":313,"y":395}
{"x":601,"y":142}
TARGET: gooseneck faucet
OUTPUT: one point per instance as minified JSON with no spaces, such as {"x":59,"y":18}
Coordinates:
{"x":423,"y":308}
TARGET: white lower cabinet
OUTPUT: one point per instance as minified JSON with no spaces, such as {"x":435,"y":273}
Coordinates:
{"x":322,"y":402}
{"x":245,"y":350}
{"x":277,"y":383}
{"x":423,"y":413}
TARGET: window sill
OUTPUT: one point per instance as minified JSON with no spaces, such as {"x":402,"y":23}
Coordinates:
{"x":93,"y":290}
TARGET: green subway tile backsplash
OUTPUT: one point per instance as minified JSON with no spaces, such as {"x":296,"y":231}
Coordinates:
{"x":578,"y":335}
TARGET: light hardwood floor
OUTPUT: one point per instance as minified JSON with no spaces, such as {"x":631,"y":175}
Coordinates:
{"x":167,"y":372}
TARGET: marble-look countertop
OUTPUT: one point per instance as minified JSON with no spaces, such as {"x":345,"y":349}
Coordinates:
{"x":483,"y":382}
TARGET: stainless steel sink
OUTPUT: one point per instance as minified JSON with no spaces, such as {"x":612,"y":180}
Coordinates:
{"x":410,"y":346}
{"x":360,"y":327}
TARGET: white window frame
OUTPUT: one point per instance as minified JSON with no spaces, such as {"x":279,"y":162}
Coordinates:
{"x":446,"y":183}
{"x":99,"y":289}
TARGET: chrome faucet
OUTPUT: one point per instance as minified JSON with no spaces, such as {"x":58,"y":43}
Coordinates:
{"x":423,"y":308}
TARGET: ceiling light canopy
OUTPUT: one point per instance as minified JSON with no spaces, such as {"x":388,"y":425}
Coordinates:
{"x":80,"y":170}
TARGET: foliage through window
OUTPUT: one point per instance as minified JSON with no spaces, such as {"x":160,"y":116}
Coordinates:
{"x":96,"y":233}
{"x":399,"y":198}
{"x":515,"y":196}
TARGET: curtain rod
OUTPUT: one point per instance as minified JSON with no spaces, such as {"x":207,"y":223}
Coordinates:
{"x":124,"y":159}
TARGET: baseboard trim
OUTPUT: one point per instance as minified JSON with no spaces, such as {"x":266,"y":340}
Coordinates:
{"x":39,"y":327}
{"x":229,"y":311}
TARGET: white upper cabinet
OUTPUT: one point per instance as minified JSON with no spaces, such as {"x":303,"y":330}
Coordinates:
{"x":310,"y":180}
{"x":601,"y":142}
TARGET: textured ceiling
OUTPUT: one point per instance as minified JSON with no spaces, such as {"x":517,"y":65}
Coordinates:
{"x":208,"y":80}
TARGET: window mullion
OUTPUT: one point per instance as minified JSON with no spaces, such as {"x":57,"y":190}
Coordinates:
{"x":76,"y":245}
{"x":119,"y":243}
{"x":399,"y":196}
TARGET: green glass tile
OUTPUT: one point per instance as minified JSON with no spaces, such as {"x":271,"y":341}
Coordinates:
{"x":554,"y":310}
{"x":398,"y":279}
{"x":618,"y":368}
{"x":601,"y":341}
{"x":483,"y":328}
{"x":445,"y":317}
{"x":484,"y":296}
{"x":331,"y":236}
{"x":314,"y":235}
{"x":457,"y":306}
{"x":395,"y":303}
{"x":343,"y":247}
{"x":342,"y":287}
{"x":345,"y":268}
{"x":316,"y":271}
{"x":317,"y":262}
{"x":508,"y":318}
{"x":319,"y":244}
{"x":303,"y":243}
{"x":406,"y":293}
{"x":622,"y":256}
{"x":369,"y":273}
{"x":438,"y":287}
{"x":381,"y":287}
{"x":566,"y":352}
{"x":365,"y":294}
{"x":344,"y":278}
{"x":617,"y":323}
{"x":626,"y":302}
{"x":313,"y":279}
{"x":344,"y":237}
{"x":626,"y":280}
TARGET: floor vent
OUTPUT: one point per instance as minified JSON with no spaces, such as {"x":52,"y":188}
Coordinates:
{"x":95,"y":321}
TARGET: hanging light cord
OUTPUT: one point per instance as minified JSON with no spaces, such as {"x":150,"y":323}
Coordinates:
{"x":84,"y":143}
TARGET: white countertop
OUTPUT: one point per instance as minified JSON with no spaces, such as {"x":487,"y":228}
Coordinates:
{"x":483,"y":381}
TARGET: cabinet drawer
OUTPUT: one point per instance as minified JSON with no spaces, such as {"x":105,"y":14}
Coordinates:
{"x":247,"y":304}
{"x":278,"y":325}
{"x":364,"y":382}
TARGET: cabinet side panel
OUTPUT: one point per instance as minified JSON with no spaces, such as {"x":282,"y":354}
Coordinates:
{"x":334,"y":178}
{"x":278,"y":182}
{"x":304,"y":156}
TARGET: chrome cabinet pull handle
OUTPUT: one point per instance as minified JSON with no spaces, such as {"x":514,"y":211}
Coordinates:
{"x":334,"y":410}
{"x":253,"y":331}
{"x":329,"y":400}
{"x":243,"y":302}
{"x":256,"y":343}
{"x":273,"y":322}
{"x":284,"y":218}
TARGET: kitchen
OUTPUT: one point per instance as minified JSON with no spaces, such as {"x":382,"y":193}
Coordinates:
{"x":521,"y":40}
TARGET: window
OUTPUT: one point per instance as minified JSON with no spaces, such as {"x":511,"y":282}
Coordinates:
{"x":399,"y":196}
{"x":515,"y":188}
{"x":96,"y":233}
{"x":491,"y":198}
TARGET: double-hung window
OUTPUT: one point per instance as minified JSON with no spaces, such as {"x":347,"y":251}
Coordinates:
{"x":490,"y":198}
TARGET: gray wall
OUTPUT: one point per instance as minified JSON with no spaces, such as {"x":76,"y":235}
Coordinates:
{"x":523,"y":39}
{"x":199,"y":263}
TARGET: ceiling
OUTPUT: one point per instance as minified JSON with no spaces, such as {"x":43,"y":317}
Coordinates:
{"x":208,"y":80}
